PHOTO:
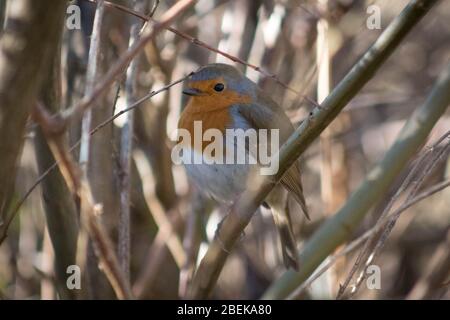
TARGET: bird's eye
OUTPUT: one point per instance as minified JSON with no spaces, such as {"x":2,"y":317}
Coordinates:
{"x":219,"y":87}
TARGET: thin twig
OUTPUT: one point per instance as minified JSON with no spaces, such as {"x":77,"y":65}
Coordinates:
{"x":202,"y":44}
{"x":79,"y":186}
{"x":436,"y":273}
{"x":327,"y":152}
{"x":126,"y":147}
{"x":409,"y":180}
{"x":379,"y":224}
{"x":191,"y":242}
{"x":124,"y":213}
{"x":166,"y":237}
{"x":155,"y":6}
{"x":19,"y":204}
{"x":357,"y":242}
{"x":77,"y":111}
{"x":91,"y":77}
{"x":85,"y":144}
{"x":350,"y":215}
{"x":76,"y":144}
{"x":372,"y":254}
{"x":168,"y":225}
{"x":138,"y":102}
{"x":349,"y":248}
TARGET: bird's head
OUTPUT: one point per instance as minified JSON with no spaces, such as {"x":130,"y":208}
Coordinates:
{"x":220,"y":84}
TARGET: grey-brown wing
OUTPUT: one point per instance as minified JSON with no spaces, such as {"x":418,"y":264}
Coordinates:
{"x":266,"y":114}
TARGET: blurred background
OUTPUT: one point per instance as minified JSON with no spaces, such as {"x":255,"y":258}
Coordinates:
{"x":309,"y":46}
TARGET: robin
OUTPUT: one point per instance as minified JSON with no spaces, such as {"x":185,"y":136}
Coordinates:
{"x":222,"y":98}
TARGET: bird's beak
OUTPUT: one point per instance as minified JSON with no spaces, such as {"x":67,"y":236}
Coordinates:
{"x":192,"y":92}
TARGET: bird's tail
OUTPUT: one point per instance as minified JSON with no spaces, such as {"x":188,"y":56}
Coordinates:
{"x":288,"y":243}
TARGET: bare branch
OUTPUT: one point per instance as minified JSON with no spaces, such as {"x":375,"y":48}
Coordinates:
{"x":436,"y":274}
{"x":79,"y":186}
{"x":23,"y":63}
{"x":126,"y":147}
{"x":155,"y":6}
{"x":169,"y":223}
{"x":242,"y":210}
{"x":376,"y":242}
{"x":91,"y":77}
{"x":339,"y":228}
{"x":357,"y":242}
{"x":120,"y":66}
{"x":202,"y":44}
{"x":56,"y":122}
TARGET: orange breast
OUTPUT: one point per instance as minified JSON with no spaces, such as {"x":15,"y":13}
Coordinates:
{"x":212,"y":108}
{"x":216,"y":118}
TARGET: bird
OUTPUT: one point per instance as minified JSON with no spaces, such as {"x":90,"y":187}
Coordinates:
{"x":222,"y":98}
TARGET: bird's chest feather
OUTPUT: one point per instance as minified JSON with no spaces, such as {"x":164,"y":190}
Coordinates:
{"x":216,"y":119}
{"x":222,"y":181}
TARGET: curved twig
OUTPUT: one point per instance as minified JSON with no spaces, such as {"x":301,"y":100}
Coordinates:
{"x":242,"y":211}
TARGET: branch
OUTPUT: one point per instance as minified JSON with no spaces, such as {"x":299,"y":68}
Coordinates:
{"x":23,"y":63}
{"x":422,"y":169}
{"x":165,"y":238}
{"x":76,"y":112}
{"x":126,"y":147}
{"x":242,"y":211}
{"x":155,"y":6}
{"x":356,"y":243}
{"x":59,"y":206}
{"x":202,"y":44}
{"x":91,"y":77}
{"x":44,"y":174}
{"x":79,"y":186}
{"x":169,"y":224}
{"x":436,"y":274}
{"x":336,"y":230}
{"x":191,"y":242}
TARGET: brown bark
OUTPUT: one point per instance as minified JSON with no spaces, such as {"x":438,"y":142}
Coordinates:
{"x":25,"y":53}
{"x":60,"y":210}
